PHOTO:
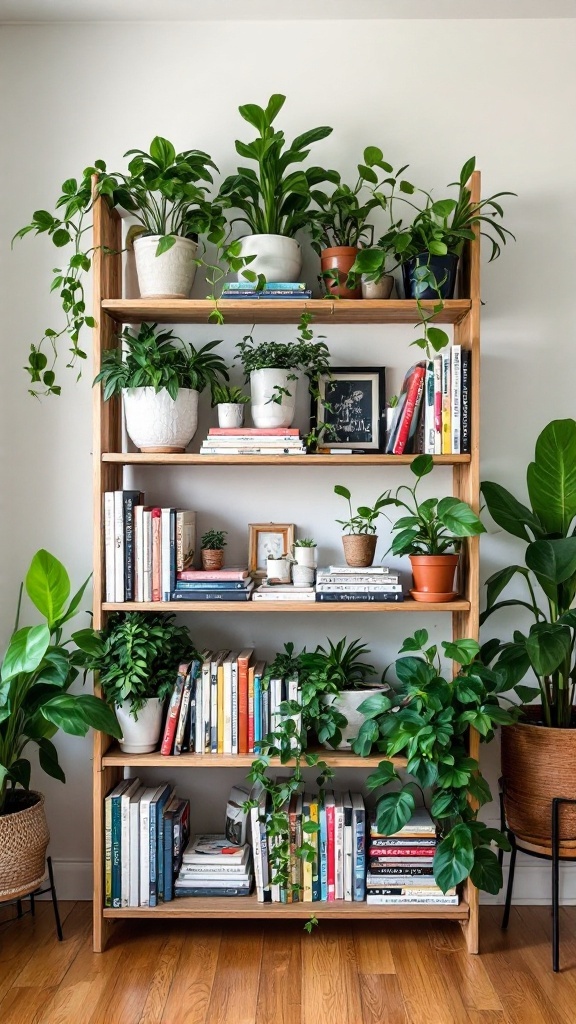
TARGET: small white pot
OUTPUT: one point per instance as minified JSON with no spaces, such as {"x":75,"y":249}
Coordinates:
{"x":381,"y":289}
{"x":157,"y":423}
{"x":305,"y":556}
{"x":169,"y":276}
{"x":347,"y":703}
{"x":278,"y":257}
{"x":230,"y":414}
{"x":141,"y":735}
{"x":278,"y":569}
{"x":265,"y":412}
{"x":303,"y":575}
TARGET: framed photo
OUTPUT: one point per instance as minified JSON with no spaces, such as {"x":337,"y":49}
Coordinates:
{"x":268,"y":539}
{"x":356,"y":398}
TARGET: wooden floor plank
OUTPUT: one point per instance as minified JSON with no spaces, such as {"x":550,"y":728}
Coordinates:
{"x":428,"y":996}
{"x":189,"y":996}
{"x":234,"y":993}
{"x":465,"y":974}
{"x":330,"y":984}
{"x":21,"y":940}
{"x":50,"y":968}
{"x":279,"y":994}
{"x":163,"y":976}
{"x":373,"y":952}
{"x":83,"y":985}
{"x":25,"y":1005}
{"x":381,"y":999}
{"x":139,"y":945}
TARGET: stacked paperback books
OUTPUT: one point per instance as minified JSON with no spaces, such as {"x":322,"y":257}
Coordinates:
{"x":231,"y":584}
{"x":400,"y":865}
{"x":433,"y":411}
{"x":146,"y":829}
{"x":284,"y":592}
{"x":212,"y":866}
{"x":344,"y":583}
{"x":271,"y":290}
{"x":253,"y":441}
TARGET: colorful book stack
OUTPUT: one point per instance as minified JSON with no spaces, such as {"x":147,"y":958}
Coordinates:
{"x":433,"y":412}
{"x":344,"y":583}
{"x":271,"y":290}
{"x":284,"y":592}
{"x":230,"y":584}
{"x":253,"y":441}
{"x":211,"y":866}
{"x":400,"y":865}
{"x":145,"y":547}
{"x":338,"y":868}
{"x":145,"y":831}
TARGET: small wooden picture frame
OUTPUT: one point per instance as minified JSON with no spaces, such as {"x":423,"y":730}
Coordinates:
{"x":268,"y":539}
{"x":357,"y":399}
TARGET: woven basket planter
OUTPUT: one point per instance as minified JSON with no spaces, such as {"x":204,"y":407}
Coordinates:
{"x":359,"y":549}
{"x":24,"y":837}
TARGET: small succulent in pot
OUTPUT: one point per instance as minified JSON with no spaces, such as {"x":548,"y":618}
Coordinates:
{"x":212,"y":545}
{"x":230,"y":401}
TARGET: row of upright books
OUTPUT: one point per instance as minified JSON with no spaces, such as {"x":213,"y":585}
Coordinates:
{"x":400,"y":866}
{"x":271,"y":290}
{"x":433,"y":413}
{"x":253,"y":441}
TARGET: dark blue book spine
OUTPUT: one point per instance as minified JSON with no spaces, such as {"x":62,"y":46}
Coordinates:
{"x":168,"y":856}
{"x":130,"y":498}
{"x":116,"y":853}
{"x":465,"y":433}
{"x":360,"y":859}
{"x":153,"y":855}
{"x":194,"y":891}
{"x":211,"y":595}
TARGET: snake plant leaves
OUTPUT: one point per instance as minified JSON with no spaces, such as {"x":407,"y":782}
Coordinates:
{"x":551,"y":477}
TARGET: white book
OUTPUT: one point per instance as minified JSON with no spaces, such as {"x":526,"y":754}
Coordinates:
{"x":338,"y":846}
{"x":188,"y":881}
{"x":438,"y":405}
{"x":234,"y":712}
{"x":227,"y":665}
{"x":348,"y":846}
{"x":165,"y":587}
{"x":134,"y":872}
{"x":429,"y":430}
{"x":408,"y":900}
{"x":202,"y":737}
{"x":275,"y":690}
{"x":147,"y":554}
{"x":456,"y":389}
{"x":109,"y":559}
{"x":369,"y":570}
{"x":125,"y":841}
{"x":360,"y":588}
{"x":255,"y":441}
{"x":118,"y":547}
{"x":293,"y":692}
{"x":268,"y":594}
{"x":375,"y":581}
{"x":138,"y":553}
{"x":145,"y":801}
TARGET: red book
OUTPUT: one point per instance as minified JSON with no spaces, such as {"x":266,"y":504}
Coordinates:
{"x":173,"y":711}
{"x":402,"y":851}
{"x":253,"y":432}
{"x":208,"y":575}
{"x":243,"y":662}
{"x":414,"y":389}
{"x":330,"y":845}
{"x":156,"y":554}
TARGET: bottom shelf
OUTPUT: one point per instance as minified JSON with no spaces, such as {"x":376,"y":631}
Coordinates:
{"x":247,"y":907}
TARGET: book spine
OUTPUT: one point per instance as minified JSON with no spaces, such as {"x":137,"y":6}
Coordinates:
{"x":165,"y":574}
{"x":130,"y":498}
{"x":234,"y":708}
{"x":348,"y":851}
{"x":314,"y":840}
{"x":456,"y":405}
{"x":359,"y":588}
{"x":153,"y":825}
{"x":387,"y":580}
{"x":197,"y":891}
{"x":173,"y":713}
{"x":245,"y":286}
{"x":168,"y":856}
{"x":380,"y":596}
{"x":438,"y":405}
{"x":323,"y":853}
{"x":466,"y":397}
{"x":273,"y":841}
{"x":156,"y":554}
{"x":243,"y":705}
{"x":183,"y":714}
{"x":124,"y":851}
{"x":213,"y":708}
{"x":211,"y":595}
{"x":138,"y":553}
{"x":116,"y":853}
{"x":204,"y":747}
{"x":147,"y":555}
{"x":192,"y":585}
{"x":339,"y":852}
{"x":227,"y":708}
{"x":134,"y":861}
{"x":397,"y":900}
{"x":429,"y":429}
{"x":118,"y":547}
{"x":110,"y":590}
{"x":220,"y":709}
{"x":257,"y":852}
{"x":293,"y":894}
{"x":403,"y":851}
{"x":265,"y":712}
{"x":446,"y":405}
{"x":306,"y":895}
{"x":331,"y":851}
{"x":257,"y":711}
{"x":414,"y":389}
{"x":415,"y":870}
{"x":108,"y":851}
{"x":250,"y":738}
{"x":428,"y":841}
{"x":359,"y":855}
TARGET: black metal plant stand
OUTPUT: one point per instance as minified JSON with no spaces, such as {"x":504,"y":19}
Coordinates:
{"x":51,"y":888}
{"x":554,"y":857}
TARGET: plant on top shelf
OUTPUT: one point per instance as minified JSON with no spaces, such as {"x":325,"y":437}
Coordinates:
{"x":425,"y":716}
{"x":160,"y":378}
{"x":230,"y":401}
{"x":341,"y":665}
{"x":360,"y":538}
{"x":212,"y":545}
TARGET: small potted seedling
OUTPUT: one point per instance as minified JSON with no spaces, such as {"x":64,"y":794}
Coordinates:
{"x":212,"y":545}
{"x":230,"y":402}
{"x":359,"y":540}
{"x":304,"y":563}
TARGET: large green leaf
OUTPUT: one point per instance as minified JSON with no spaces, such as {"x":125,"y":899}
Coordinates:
{"x":509,"y":513}
{"x":394,"y":811}
{"x":551,"y":477}
{"x":48,"y":586}
{"x":48,"y":757}
{"x":459,"y":518}
{"x":547,"y":646}
{"x":486,"y":872}
{"x":382,"y":775}
{"x":499,"y":580}
{"x":76,"y":714}
{"x":552,"y":560}
{"x":454,"y":858}
{"x":20,"y":771}
{"x":25,"y":651}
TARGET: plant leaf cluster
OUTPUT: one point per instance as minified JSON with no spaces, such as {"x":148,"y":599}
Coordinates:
{"x":306,"y":356}
{"x":224,"y":394}
{"x":213,"y":540}
{"x":339,"y":665}
{"x":364,"y":519}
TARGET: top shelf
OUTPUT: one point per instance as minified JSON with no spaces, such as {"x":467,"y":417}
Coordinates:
{"x":281,"y":311}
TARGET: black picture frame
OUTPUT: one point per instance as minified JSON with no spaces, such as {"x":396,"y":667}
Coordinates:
{"x":358,"y":397}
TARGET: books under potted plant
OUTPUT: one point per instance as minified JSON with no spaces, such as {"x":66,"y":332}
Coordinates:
{"x":37,"y":673}
{"x":359,"y":541}
{"x":212,"y":549}
{"x":230,"y":402}
{"x":340,"y":670}
{"x":160,"y":378}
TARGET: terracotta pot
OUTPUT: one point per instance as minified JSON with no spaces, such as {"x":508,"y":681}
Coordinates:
{"x":212,"y":559}
{"x":359,"y":549}
{"x":433,"y":577}
{"x":23,"y":840}
{"x":538,"y":764}
{"x":340,"y":258}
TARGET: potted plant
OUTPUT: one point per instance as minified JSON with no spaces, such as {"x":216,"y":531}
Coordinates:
{"x":425,"y":716}
{"x":37,"y":672}
{"x":273,"y":368}
{"x":340,"y":670}
{"x":359,"y":540}
{"x":278,"y":568}
{"x":137,"y":660}
{"x":160,"y":383}
{"x":212,"y":545}
{"x":230,"y":402}
{"x":304,"y":562}
{"x":539,"y":752}
{"x":165,"y":193}
{"x":431,"y":534}
{"x":273,"y":201}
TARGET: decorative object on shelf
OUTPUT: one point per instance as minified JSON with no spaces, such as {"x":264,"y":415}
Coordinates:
{"x":168,"y":276}
{"x":37,"y":672}
{"x":350,"y":402}
{"x":359,"y":540}
{"x":340,"y":665}
{"x":335,"y":265}
{"x":342,"y":583}
{"x":273,"y":201}
{"x":304,"y":562}
{"x":230,"y":402}
{"x":272,"y":441}
{"x":212,"y":549}
{"x":374,"y":287}
{"x":425,"y":716}
{"x":160,"y":383}
{"x":278,"y":568}
{"x":544,"y":735}
{"x":265,"y":539}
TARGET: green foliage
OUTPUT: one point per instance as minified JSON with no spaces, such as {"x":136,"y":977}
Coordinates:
{"x":214,"y":540}
{"x":302,"y":356}
{"x":340,"y":665}
{"x":37,"y":672}
{"x":547,"y":527}
{"x":227,"y":394}
{"x":305,"y":542}
{"x":425,"y":717}
{"x":138,"y":657}
{"x":364,"y":519}
{"x":151,"y":359}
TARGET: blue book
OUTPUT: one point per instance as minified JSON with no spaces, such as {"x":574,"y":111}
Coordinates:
{"x":117,"y":842}
{"x":212,"y":595}
{"x":168,"y":851}
{"x":245,"y":286}
{"x":358,"y":848}
{"x":323,"y":850}
{"x":257,"y":708}
{"x":268,"y":295}
{"x":156,"y":805}
{"x":172,"y":550}
{"x":213,"y":584}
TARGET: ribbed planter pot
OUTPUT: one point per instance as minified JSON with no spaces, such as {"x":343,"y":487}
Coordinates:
{"x":303,"y":575}
{"x":381,"y":289}
{"x":538,"y":764}
{"x":212,"y":558}
{"x":265,"y":411}
{"x":305,"y":556}
{"x":433,"y":577}
{"x":340,"y":258}
{"x":347,"y":703}
{"x":445,"y":269}
{"x":359,"y":549}
{"x":278,"y":257}
{"x":230,"y":414}
{"x":278,"y":569}
{"x":24,"y":837}
{"x":155,"y":422}
{"x":140,"y":735}
{"x":169,"y":276}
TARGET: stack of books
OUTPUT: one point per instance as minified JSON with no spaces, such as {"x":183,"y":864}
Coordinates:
{"x":283,"y":592}
{"x":400,"y":865}
{"x":146,"y":829}
{"x":230,"y":584}
{"x":211,"y":866}
{"x":253,"y":441}
{"x":344,"y":583}
{"x":271,"y":290}
{"x":433,"y":413}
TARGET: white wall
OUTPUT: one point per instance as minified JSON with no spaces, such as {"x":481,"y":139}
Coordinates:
{"x":431,"y":93}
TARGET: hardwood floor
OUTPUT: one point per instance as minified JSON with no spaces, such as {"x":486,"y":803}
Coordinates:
{"x":178,"y":972}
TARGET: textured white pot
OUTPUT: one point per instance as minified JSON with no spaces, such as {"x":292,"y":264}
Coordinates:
{"x":157,"y":423}
{"x":265,"y":412}
{"x":381,"y":289}
{"x":303,"y":575}
{"x":347,"y":703}
{"x":305,"y":556}
{"x":278,"y":569}
{"x":170,"y":275}
{"x":230,"y":414}
{"x":278,"y":257}
{"x":140,"y":736}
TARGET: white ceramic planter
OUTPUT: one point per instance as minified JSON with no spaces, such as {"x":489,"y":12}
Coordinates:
{"x":305,"y":556}
{"x":347,"y":703}
{"x":303,"y":575}
{"x":278,"y":257}
{"x":169,"y":276}
{"x":230,"y":414}
{"x":157,"y":423}
{"x":381,"y":289}
{"x":278,"y":569}
{"x":265,"y":412}
{"x":141,"y":735}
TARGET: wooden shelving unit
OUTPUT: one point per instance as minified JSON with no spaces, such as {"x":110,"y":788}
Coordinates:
{"x":109,"y":462}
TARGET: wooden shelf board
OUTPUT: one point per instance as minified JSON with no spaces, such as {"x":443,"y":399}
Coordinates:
{"x":195,"y":459}
{"x":263,"y":607}
{"x":248,"y":907}
{"x":336,"y":758}
{"x":282,"y":311}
